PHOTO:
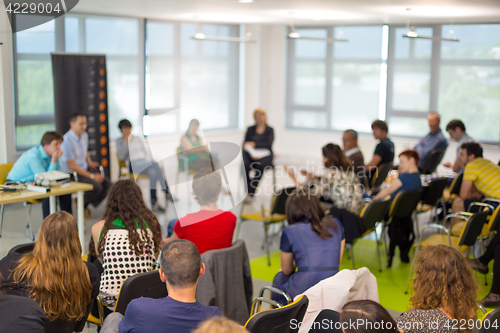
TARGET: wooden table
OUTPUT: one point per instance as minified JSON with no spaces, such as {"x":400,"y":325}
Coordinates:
{"x":74,"y":187}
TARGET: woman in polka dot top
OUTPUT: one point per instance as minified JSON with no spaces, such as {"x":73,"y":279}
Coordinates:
{"x":127,"y":240}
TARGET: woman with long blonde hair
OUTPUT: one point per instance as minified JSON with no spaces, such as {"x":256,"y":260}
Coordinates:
{"x":445,"y":292}
{"x":54,"y":275}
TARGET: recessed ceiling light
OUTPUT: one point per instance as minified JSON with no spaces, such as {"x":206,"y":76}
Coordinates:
{"x":245,"y":1}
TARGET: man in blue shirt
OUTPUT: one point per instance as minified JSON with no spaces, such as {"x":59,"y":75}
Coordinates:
{"x":179,"y":312}
{"x":76,"y":158}
{"x":434,"y":140}
{"x":41,"y":158}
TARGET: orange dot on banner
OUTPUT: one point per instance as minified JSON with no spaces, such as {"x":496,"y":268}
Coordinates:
{"x":104,"y":162}
{"x":104,"y":151}
{"x":102,"y":106}
{"x":104,"y":140}
{"x":102,"y":117}
{"x":102,"y":83}
{"x":102,"y":72}
{"x":102,"y":94}
{"x":102,"y":128}
{"x":102,"y":61}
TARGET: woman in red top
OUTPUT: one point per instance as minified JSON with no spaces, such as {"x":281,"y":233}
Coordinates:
{"x":211,"y":228}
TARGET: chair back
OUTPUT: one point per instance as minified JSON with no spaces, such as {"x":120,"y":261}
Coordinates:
{"x":381,"y":174}
{"x":22,"y":248}
{"x":473,"y":228}
{"x":279,"y":202}
{"x":490,"y":322}
{"x":278,"y":320}
{"x":4,"y":171}
{"x":140,"y":285}
{"x":434,"y":191}
{"x":374,"y":212}
{"x":433,"y":161}
{"x":405,"y":203}
{"x":494,"y":223}
{"x":456,"y":184}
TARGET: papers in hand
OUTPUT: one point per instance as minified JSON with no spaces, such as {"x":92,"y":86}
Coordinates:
{"x":258,"y":153}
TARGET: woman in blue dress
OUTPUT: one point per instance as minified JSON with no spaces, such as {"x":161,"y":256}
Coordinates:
{"x":311,"y":245}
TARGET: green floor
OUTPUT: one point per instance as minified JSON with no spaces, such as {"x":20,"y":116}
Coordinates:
{"x":391,"y":281}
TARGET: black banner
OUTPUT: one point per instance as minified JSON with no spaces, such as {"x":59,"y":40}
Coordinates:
{"x":80,"y":85}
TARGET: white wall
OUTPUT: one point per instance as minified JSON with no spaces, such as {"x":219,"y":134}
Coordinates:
{"x":6,"y":91}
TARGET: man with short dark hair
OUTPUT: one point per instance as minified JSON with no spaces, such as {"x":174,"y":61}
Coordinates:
{"x":179,"y":312}
{"x":481,"y":177}
{"x":456,"y":130}
{"x":76,"y":158}
{"x":434,"y":140}
{"x":352,"y":151}
{"x":384,"y":151}
{"x":39,"y":159}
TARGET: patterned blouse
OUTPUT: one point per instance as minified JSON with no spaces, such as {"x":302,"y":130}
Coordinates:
{"x":432,"y":321}
{"x":120,"y":261}
{"x":343,"y":188}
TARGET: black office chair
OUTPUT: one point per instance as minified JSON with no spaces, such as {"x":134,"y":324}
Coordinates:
{"x":278,"y":320}
{"x":372,"y":214}
{"x":490,"y":322}
{"x":276,"y":214}
{"x":22,"y":248}
{"x":140,"y":285}
{"x":435,"y":157}
{"x":431,"y":197}
{"x":380,"y":175}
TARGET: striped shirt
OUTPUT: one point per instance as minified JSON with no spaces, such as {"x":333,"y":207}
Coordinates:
{"x":485,"y":175}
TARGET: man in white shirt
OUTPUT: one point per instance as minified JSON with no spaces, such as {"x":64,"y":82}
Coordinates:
{"x":141,"y":161}
{"x":456,"y":130}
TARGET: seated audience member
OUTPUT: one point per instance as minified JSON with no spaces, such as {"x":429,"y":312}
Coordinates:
{"x":434,"y":140}
{"x":481,"y":265}
{"x":445,"y":289}
{"x":179,"y":312}
{"x":54,"y":275}
{"x":41,"y":158}
{"x":194,"y":147}
{"x":259,"y":136}
{"x":401,"y":230}
{"x":352,"y":151}
{"x":384,"y":151}
{"x":129,"y":233}
{"x":339,"y":186}
{"x":211,"y":228}
{"x":481,"y":177}
{"x":456,"y":130}
{"x":76,"y":158}
{"x":361,"y":316}
{"x":220,"y":325}
{"x":140,"y":161}
{"x":20,"y":314}
{"x":311,"y":245}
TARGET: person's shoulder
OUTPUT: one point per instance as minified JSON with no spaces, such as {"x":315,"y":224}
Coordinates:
{"x":229,"y":215}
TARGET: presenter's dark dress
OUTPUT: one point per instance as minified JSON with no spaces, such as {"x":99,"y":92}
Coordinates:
{"x":264,"y":140}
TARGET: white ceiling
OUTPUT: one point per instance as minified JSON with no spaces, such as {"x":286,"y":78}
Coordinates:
{"x":310,"y":12}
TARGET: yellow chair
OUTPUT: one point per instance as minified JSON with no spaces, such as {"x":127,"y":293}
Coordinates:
{"x":4,"y":171}
{"x":464,"y":242}
{"x":275,"y":214}
{"x":490,"y":322}
{"x":124,"y":168}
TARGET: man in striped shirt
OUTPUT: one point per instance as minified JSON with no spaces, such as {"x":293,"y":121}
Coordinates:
{"x":481,"y":177}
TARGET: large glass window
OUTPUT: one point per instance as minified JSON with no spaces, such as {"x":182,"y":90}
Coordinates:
{"x":187,"y":78}
{"x":336,"y":85}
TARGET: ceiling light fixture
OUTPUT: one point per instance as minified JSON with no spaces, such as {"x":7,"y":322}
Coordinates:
{"x":247,"y":39}
{"x":295,"y":35}
{"x":245,"y":1}
{"x":412,"y":33}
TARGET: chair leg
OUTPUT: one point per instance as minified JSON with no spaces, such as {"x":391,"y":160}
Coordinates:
{"x":266,"y":241}
{"x":28,"y":213}
{"x":1,"y":219}
{"x":377,"y":243}
{"x":415,"y":222}
{"x":351,"y":254}
{"x":384,"y":239}
{"x":238,"y":225}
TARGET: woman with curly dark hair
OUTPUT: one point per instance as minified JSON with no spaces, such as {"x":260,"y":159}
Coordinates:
{"x":445,"y":292}
{"x":127,"y":240}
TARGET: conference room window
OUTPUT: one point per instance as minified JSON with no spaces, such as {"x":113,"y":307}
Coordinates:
{"x":460,"y":80}
{"x":334,"y":86}
{"x":33,"y":75}
{"x":187,"y":78}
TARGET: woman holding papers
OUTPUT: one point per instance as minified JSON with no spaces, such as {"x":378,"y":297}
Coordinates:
{"x":257,"y":150}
